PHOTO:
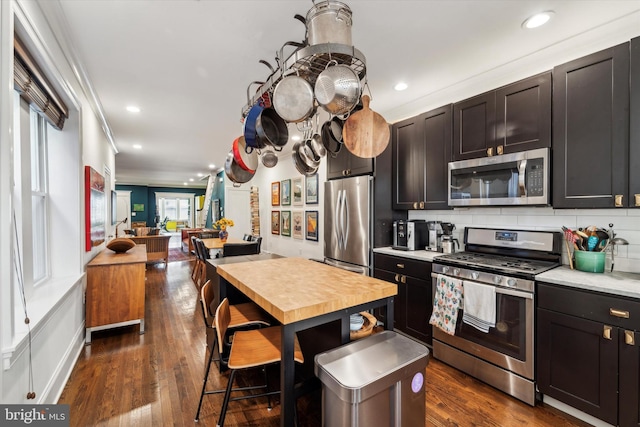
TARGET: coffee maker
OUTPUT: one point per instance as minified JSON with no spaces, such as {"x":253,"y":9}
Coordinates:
{"x":435,"y":235}
{"x":449,"y":244}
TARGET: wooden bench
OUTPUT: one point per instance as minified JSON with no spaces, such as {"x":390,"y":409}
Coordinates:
{"x":157,"y":247}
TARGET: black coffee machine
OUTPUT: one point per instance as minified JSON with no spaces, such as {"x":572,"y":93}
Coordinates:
{"x":449,"y":244}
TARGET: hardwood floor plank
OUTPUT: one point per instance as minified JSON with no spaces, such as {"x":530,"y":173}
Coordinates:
{"x":127,"y":379}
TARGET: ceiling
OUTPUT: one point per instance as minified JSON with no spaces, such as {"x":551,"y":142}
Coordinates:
{"x":187,"y":63}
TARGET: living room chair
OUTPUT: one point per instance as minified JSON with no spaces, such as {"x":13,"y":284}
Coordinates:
{"x":234,"y":249}
{"x":249,"y":349}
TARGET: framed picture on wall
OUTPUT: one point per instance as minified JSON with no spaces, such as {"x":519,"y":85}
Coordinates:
{"x":297,"y":224}
{"x":275,"y":222}
{"x":311,"y":225}
{"x":285,"y":192}
{"x":275,"y":193}
{"x":95,"y":208}
{"x":285,"y":223}
{"x":297,"y":191}
{"x":312,"y":190}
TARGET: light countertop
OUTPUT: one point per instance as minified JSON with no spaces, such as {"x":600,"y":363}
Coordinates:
{"x":420,"y":255}
{"x":616,"y":283}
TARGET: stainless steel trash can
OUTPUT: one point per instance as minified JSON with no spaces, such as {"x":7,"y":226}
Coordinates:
{"x":376,"y":381}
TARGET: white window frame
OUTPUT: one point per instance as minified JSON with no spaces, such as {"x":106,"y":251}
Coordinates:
{"x":39,"y":198}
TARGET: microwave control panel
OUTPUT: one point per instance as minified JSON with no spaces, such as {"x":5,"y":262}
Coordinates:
{"x":535,"y":177}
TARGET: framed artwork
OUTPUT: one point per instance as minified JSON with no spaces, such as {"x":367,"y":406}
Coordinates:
{"x":275,"y":193}
{"x":285,"y":192}
{"x":275,"y":222}
{"x":312,"y":190}
{"x":95,"y":208}
{"x":138,"y":207}
{"x":297,"y":224}
{"x":298,"y":191}
{"x":285,"y":223}
{"x":311,"y":220}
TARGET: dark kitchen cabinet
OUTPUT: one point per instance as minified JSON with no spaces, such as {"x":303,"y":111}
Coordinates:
{"x":421,"y":153}
{"x":587,"y":352}
{"x":634,"y":126}
{"x":513,"y":118}
{"x":413,"y":304}
{"x":345,"y":164}
{"x":591,"y":131}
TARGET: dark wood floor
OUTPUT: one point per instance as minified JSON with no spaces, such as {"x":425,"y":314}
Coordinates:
{"x":127,"y":379}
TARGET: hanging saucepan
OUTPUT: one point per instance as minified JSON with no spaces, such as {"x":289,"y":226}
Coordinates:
{"x":272,"y":129}
{"x":299,"y":162}
{"x":332,"y":135}
{"x":245,"y":157}
{"x":234,"y":172}
{"x":293,"y":99}
{"x":309,"y":158}
{"x":249,"y":131}
{"x":365,"y":133}
{"x":337,"y":88}
{"x":269,"y":158}
{"x":315,"y":143}
{"x":329,"y":21}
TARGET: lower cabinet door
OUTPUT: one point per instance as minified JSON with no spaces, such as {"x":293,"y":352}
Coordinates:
{"x":419,"y":307}
{"x":399,"y":302}
{"x":629,"y":387}
{"x":578,"y":363}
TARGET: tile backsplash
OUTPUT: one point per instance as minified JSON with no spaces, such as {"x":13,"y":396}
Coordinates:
{"x":626,"y":224}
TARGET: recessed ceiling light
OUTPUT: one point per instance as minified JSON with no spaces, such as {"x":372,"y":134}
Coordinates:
{"x":184,"y":183}
{"x":537,"y":20}
{"x":190,"y":179}
{"x":400,"y":86}
{"x":212,"y":166}
{"x":295,"y":138}
{"x":133,"y":109}
{"x":200,"y":174}
{"x":137,"y":146}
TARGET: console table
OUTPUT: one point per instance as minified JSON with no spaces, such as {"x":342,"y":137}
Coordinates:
{"x":115,"y":290}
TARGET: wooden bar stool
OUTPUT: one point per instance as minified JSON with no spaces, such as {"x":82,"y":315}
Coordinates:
{"x":245,"y":315}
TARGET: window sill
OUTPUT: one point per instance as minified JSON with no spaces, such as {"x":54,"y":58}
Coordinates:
{"x":46,"y":300}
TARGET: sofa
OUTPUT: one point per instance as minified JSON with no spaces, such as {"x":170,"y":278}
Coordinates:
{"x":187,"y":246}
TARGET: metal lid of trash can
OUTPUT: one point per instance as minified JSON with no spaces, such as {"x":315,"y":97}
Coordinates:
{"x":364,"y":367}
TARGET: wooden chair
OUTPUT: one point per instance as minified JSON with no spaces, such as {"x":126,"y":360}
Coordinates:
{"x":234,"y":249}
{"x":257,"y":239}
{"x":197,"y":264}
{"x":249,"y":349}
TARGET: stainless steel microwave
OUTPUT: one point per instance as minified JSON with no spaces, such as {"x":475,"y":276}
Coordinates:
{"x":510,"y":179}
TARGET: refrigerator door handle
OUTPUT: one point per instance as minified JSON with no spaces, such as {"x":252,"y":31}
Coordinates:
{"x":345,"y":224}
{"x":337,"y":219}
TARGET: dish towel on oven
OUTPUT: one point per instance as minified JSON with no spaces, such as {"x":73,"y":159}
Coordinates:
{"x":479,"y":306}
{"x":446,"y":302}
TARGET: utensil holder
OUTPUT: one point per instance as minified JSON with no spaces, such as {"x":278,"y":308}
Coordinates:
{"x":591,"y":262}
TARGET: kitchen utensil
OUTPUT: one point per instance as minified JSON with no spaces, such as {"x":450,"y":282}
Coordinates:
{"x":249,"y":130}
{"x":591,"y":262}
{"x":234,"y":172}
{"x":616,"y":241}
{"x":315,"y":143}
{"x":329,"y":21}
{"x":449,"y":244}
{"x":569,"y":238}
{"x":272,"y":129}
{"x":268,"y":158}
{"x":293,"y":99}
{"x":365,"y":133}
{"x":337,"y":88}
{"x":246,"y":158}
{"x":332,"y":135}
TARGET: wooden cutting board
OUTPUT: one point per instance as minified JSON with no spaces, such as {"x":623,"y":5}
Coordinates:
{"x":365,"y":133}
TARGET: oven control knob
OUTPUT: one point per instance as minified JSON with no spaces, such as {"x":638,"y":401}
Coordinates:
{"x":456,"y":271}
{"x":497,"y":279}
{"x":445,"y":269}
{"x":512,"y":282}
{"x":475,"y":275}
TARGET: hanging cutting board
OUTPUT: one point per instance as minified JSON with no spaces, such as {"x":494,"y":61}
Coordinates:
{"x":365,"y":133}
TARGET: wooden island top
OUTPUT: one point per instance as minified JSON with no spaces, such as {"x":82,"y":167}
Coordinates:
{"x":295,"y":289}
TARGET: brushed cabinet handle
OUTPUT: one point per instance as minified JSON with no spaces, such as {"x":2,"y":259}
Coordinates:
{"x":628,"y":338}
{"x":619,"y":313}
{"x":421,"y":205}
{"x":500,"y":149}
{"x":606,"y":332}
{"x":397,"y":277}
{"x":415,"y":205}
{"x":618,"y":199}
{"x":637,"y":199}
{"x":403,"y":279}
{"x":490,"y":151}
{"x":400,"y":265}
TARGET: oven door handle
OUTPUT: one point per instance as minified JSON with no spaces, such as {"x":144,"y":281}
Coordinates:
{"x":503,"y":291}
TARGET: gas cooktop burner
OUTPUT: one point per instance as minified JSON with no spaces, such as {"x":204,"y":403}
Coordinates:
{"x":504,"y":263}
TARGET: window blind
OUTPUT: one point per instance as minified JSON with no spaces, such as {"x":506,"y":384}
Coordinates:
{"x":30,"y":82}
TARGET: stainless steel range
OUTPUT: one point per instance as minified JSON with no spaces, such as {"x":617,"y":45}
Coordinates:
{"x":507,"y":260}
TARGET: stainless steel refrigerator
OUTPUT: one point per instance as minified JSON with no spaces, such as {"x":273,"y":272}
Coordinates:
{"x":348,"y":225}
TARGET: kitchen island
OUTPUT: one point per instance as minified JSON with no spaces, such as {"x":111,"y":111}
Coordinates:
{"x":302,"y":294}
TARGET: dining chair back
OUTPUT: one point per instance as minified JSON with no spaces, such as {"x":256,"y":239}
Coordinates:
{"x":234,"y":249}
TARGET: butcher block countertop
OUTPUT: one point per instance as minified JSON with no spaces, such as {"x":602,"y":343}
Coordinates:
{"x":295,"y":289}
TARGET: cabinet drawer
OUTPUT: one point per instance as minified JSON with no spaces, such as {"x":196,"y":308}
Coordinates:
{"x":406,"y":266}
{"x":607,"y":309}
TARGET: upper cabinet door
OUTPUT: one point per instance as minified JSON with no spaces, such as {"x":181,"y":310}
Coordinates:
{"x":408,"y":164}
{"x":523,"y":115}
{"x":591,"y":130}
{"x":634,"y":141}
{"x":474,"y":127}
{"x":437,"y":128}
